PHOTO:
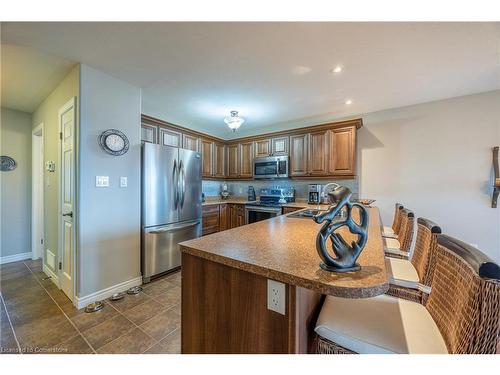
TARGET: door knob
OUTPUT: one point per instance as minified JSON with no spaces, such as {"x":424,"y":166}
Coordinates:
{"x":70,"y":214}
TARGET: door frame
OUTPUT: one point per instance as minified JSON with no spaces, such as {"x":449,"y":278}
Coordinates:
{"x":70,"y":103}
{"x":37,"y":193}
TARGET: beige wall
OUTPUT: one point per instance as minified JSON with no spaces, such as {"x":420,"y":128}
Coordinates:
{"x":47,"y":113}
{"x":436,"y":159}
{"x":15,"y":134}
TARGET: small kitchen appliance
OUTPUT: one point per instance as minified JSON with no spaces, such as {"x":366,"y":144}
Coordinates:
{"x":251,"y":194}
{"x":270,"y":167}
{"x":314,"y":194}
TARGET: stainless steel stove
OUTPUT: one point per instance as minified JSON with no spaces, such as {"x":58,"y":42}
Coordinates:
{"x":269,"y":204}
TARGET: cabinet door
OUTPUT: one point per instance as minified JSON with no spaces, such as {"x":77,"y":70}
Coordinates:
{"x":149,"y":133}
{"x":207,"y":152}
{"x":190,"y":143}
{"x":343,"y":151}
{"x":262,"y":148}
{"x":298,"y":155}
{"x":241,"y":215}
{"x":219,"y":160}
{"x":318,"y":153}
{"x":210,"y":219}
{"x":170,"y":138}
{"x":287,"y":210}
{"x":246,"y":160}
{"x":233,"y":216}
{"x":280,"y":146}
{"x":223,"y":217}
{"x":233,"y":165}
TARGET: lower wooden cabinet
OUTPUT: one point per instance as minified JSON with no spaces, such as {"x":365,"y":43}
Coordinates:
{"x":210,"y":220}
{"x":236,"y":215}
{"x":287,"y":210}
{"x":223,"y":216}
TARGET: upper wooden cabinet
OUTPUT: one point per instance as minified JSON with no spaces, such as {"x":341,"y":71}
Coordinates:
{"x":262,"y":148}
{"x":319,"y":152}
{"x":233,"y":164}
{"x":190,"y":142}
{"x":343,"y":151}
{"x":207,"y":161}
{"x":219,"y":160}
{"x":169,"y":137}
{"x":298,"y":155}
{"x":246,"y":160}
{"x":322,"y":151}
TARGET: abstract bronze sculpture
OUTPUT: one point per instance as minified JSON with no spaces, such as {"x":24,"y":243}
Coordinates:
{"x":346,"y":255}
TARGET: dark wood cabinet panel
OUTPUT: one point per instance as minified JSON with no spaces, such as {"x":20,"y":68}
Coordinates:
{"x":207,"y":153}
{"x":236,"y":215}
{"x":149,"y":133}
{"x":262,"y":148}
{"x":246,"y":160}
{"x":287,"y":210}
{"x":219,"y":160}
{"x":280,"y":145}
{"x":343,"y":151}
{"x":210,"y":220}
{"x":233,"y":164}
{"x":169,"y":137}
{"x":191,"y":143}
{"x":298,"y":155}
{"x":318,"y":153}
{"x":223,"y":217}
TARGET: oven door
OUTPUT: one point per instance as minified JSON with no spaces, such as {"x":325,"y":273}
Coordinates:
{"x":257,"y":213}
{"x":265,"y":169}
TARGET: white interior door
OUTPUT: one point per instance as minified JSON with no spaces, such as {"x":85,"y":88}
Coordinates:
{"x":67,"y":189}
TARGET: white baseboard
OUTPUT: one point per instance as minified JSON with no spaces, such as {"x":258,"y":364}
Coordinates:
{"x":108,"y":292}
{"x":53,"y":277}
{"x":15,"y":258}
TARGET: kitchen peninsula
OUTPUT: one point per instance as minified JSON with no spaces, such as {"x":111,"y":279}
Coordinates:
{"x":225,"y":285}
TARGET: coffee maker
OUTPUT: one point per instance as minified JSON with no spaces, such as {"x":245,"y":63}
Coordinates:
{"x":314,"y":194}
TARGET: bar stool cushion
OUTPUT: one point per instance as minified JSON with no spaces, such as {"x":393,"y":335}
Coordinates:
{"x":392,"y":243}
{"x":402,"y":273}
{"x":379,"y":325}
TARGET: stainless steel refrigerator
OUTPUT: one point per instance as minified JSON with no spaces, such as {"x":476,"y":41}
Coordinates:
{"x":171,"y":205}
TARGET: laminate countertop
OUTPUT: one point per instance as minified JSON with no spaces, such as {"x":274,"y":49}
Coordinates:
{"x":283,"y":248}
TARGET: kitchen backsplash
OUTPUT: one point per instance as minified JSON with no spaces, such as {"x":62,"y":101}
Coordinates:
{"x":240,"y":188}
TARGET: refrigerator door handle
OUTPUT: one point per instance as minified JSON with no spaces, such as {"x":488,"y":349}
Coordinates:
{"x":176,"y":187}
{"x":182,"y":176}
{"x":174,"y":227}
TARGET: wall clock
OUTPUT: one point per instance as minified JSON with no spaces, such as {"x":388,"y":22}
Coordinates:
{"x":7,"y":163}
{"x":114,"y":142}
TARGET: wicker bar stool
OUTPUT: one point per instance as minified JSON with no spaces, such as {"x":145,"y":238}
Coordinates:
{"x":400,"y":247}
{"x":393,"y":230}
{"x":409,"y":279}
{"x":462,"y":315}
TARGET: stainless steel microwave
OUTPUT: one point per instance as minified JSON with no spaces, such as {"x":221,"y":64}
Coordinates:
{"x":270,"y":167}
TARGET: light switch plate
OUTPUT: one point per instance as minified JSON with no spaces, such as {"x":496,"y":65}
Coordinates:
{"x":123,"y":182}
{"x":276,"y":297}
{"x":101,"y":181}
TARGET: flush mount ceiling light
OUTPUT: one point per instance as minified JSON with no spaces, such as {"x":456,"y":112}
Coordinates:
{"x":348,"y":102}
{"x":234,"y":121}
{"x":336,"y":69}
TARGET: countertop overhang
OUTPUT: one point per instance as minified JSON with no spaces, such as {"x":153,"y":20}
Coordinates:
{"x":284,"y":249}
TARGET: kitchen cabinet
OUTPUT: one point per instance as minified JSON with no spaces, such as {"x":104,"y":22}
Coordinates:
{"x":236,"y":215}
{"x":219,"y":157}
{"x":298,"y":155}
{"x":319,"y":151}
{"x":223,"y":217}
{"x":207,"y":163}
{"x":210,"y":219}
{"x":342,"y":151}
{"x":280,"y":146}
{"x":246,"y":160}
{"x":190,"y":142}
{"x":287,"y":210}
{"x":263,"y":148}
{"x":149,"y":133}
{"x":233,"y":164}
{"x":169,"y":137}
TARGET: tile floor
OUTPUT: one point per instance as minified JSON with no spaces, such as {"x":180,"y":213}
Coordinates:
{"x":36,"y":317}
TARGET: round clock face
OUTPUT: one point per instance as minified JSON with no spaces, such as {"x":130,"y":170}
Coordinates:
{"x":114,"y":142}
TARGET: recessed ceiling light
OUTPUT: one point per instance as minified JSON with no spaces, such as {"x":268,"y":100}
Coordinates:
{"x":348,"y":102}
{"x":336,"y":69}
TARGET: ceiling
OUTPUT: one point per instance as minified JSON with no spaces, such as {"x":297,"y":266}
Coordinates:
{"x":277,"y":75}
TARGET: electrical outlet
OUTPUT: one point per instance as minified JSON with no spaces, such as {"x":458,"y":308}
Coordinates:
{"x":276,"y":297}
{"x":101,"y":181}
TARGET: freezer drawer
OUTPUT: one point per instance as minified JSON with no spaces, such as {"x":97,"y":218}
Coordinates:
{"x":160,"y":250}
